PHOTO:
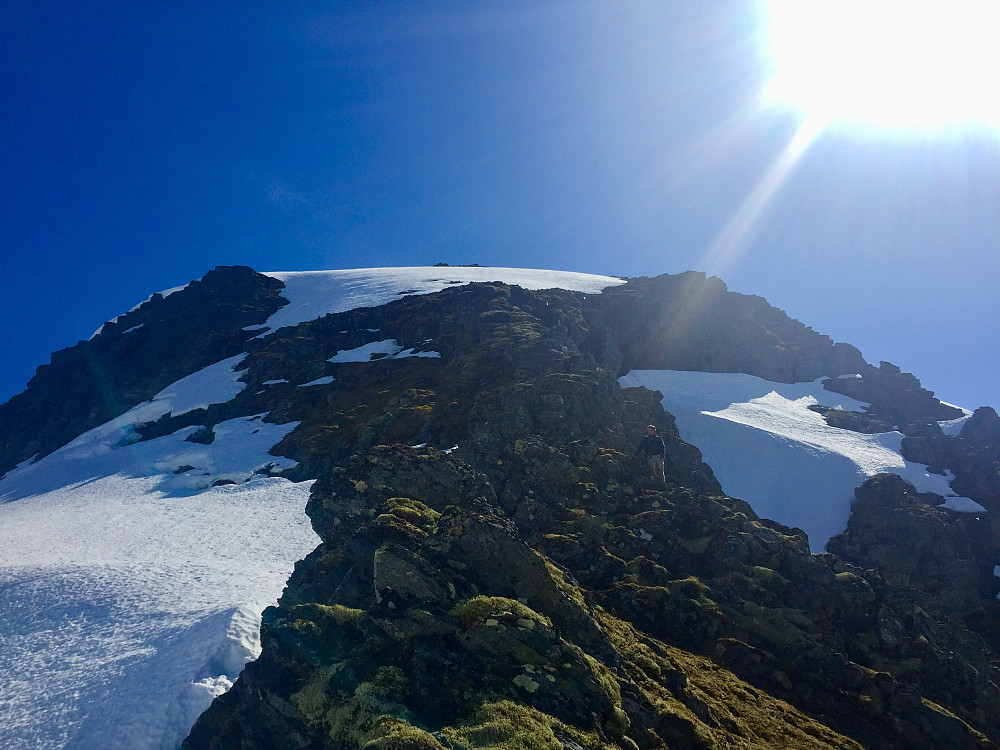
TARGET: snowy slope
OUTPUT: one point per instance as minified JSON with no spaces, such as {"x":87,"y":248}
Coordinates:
{"x":131,"y":582}
{"x":130,"y":586}
{"x":767,"y":447}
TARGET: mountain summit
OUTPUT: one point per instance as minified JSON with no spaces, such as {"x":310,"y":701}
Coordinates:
{"x":484,"y":560}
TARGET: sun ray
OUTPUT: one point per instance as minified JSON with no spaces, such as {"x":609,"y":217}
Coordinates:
{"x":733,"y":240}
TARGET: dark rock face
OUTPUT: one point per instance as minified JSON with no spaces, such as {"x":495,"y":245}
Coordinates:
{"x":898,"y":402}
{"x":428,"y":621}
{"x":535,"y":588}
{"x":975,"y":458}
{"x":974,"y":455}
{"x":97,"y":380}
{"x":982,"y":430}
{"x":896,"y":398}
{"x":691,"y":322}
{"x":934,"y":568}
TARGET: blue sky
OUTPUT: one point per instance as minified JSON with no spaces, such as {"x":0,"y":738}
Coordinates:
{"x":144,"y":143}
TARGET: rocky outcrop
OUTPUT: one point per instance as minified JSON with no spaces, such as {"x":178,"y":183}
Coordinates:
{"x":133,"y":358}
{"x":982,"y":430}
{"x":898,"y":402}
{"x":914,"y":542}
{"x":976,"y":461}
{"x":973,"y":455}
{"x":534,"y":588}
{"x":897,"y":398}
{"x":933,"y":570}
{"x":692,"y":322}
{"x":426,"y":621}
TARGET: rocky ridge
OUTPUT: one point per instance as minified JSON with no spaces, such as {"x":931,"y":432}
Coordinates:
{"x":624,"y":613}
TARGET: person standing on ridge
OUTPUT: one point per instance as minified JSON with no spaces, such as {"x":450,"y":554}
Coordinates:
{"x":655,"y":451}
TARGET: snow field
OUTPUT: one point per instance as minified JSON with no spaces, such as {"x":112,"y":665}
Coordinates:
{"x":131,"y":583}
{"x":767,"y":447}
{"x":125,"y":611}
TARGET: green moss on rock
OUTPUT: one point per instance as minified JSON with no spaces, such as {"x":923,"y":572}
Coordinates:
{"x":479,"y":609}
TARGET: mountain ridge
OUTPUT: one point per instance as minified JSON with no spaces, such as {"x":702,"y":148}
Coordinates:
{"x":116,"y":369}
{"x":686,"y":619}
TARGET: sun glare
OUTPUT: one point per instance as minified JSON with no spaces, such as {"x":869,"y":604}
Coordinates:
{"x":888,"y":63}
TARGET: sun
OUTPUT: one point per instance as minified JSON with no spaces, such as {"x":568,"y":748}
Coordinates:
{"x":887,"y":63}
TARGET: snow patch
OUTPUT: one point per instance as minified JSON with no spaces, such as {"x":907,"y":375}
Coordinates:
{"x":275,"y":382}
{"x":124,"y":611}
{"x":410,"y":353}
{"x":325,"y":380}
{"x":215,"y":384}
{"x":238,"y":452}
{"x":767,"y":447}
{"x":954,"y":426}
{"x":376,"y":350}
{"x":365,"y":353}
{"x":133,"y":328}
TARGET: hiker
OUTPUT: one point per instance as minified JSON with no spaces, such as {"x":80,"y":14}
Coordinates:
{"x":655,"y":451}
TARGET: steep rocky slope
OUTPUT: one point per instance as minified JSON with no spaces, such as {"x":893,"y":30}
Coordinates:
{"x":532,"y":588}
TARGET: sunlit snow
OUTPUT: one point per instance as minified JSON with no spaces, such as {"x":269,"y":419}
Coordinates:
{"x":767,"y":447}
{"x":963,"y":505}
{"x":215,"y":384}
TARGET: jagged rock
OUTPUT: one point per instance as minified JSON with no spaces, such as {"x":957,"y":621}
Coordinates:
{"x":973,"y":456}
{"x":392,"y":670}
{"x":927,"y":559}
{"x":691,"y":322}
{"x":897,"y":398}
{"x":982,"y":429}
